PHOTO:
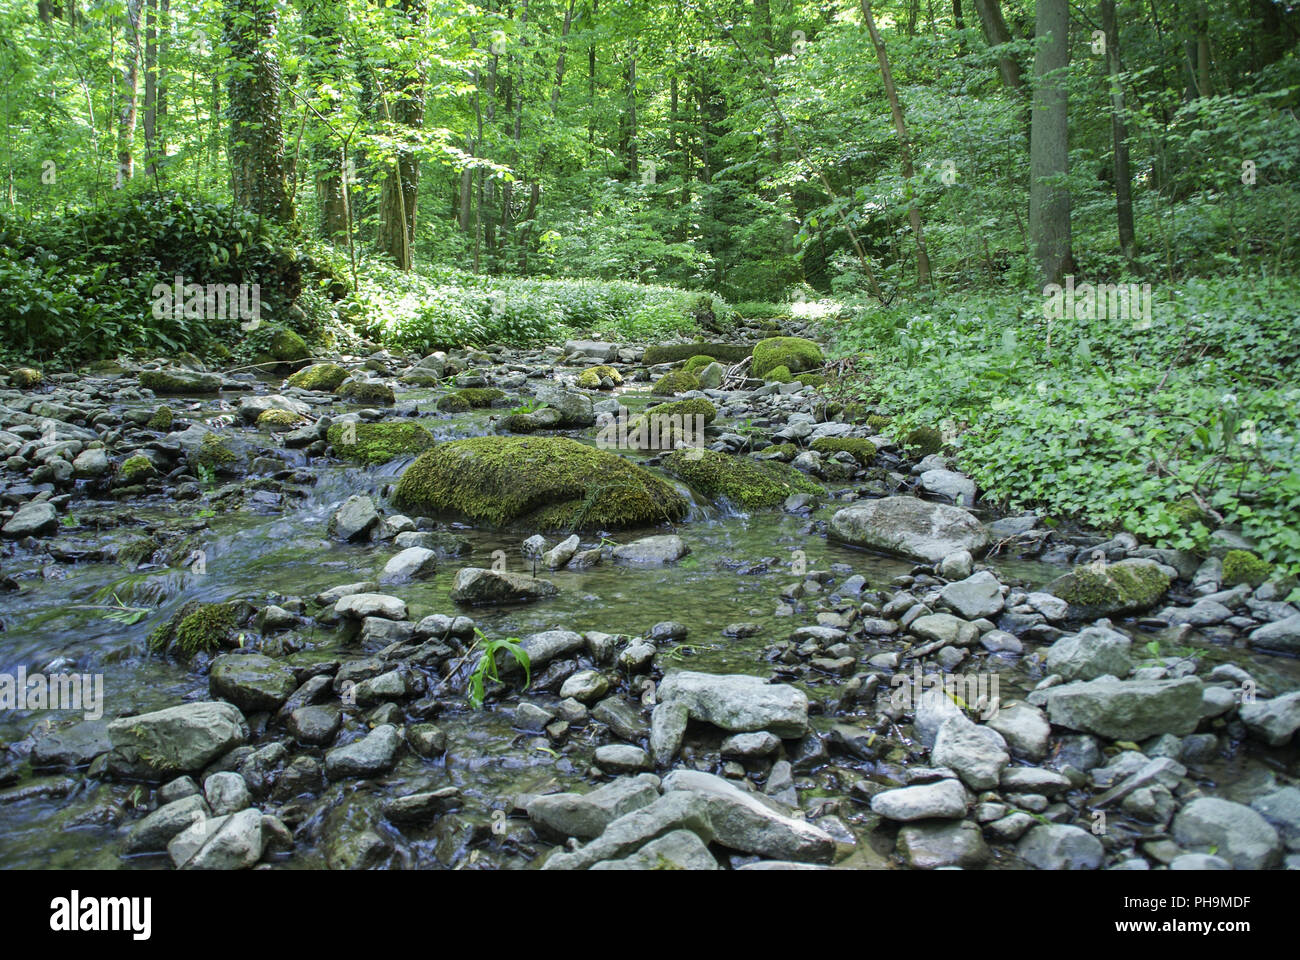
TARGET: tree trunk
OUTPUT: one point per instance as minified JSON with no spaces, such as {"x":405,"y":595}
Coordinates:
{"x":151,"y":86}
{"x":253,"y":109}
{"x":1119,"y":131}
{"x":913,"y":214}
{"x":401,"y":184}
{"x":129,"y":81}
{"x":997,"y":34}
{"x":1049,"y":159}
{"x":319,"y":20}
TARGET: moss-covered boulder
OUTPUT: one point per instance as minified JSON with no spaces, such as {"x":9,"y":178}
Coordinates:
{"x":593,"y":378}
{"x":861,"y":450}
{"x":922,"y":442}
{"x":319,"y":376}
{"x":697,"y":363}
{"x":180,"y":382}
{"x":547,"y":483}
{"x":471,"y":398}
{"x":136,"y":469}
{"x":1116,"y":589}
{"x":278,"y":420}
{"x":794,"y":353}
{"x":287,"y":346}
{"x":875,"y":421}
{"x":779,"y":374}
{"x":378,"y":442}
{"x":660,"y":427}
{"x":366,"y":391}
{"x":740,"y":480}
{"x":196,"y":628}
{"x":161,"y":419}
{"x":213,"y":453}
{"x":675,"y":352}
{"x":25,"y":378}
{"x":675,"y":381}
{"x":1242,"y":566}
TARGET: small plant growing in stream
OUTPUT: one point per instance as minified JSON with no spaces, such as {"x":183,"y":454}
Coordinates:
{"x":487,"y":666}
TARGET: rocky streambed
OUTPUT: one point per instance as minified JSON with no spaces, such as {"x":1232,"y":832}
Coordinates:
{"x":790,"y":639}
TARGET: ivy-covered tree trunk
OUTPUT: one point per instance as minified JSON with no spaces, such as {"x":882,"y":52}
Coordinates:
{"x":253,"y":109}
{"x":1049,"y":157}
{"x":327,"y":151}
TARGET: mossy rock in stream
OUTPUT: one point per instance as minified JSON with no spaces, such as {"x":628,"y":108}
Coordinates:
{"x":288,"y":346}
{"x":471,"y":398}
{"x":862,"y":450}
{"x":25,"y":378}
{"x":162,"y":419}
{"x":794,"y":353}
{"x":319,"y":376}
{"x":366,"y":391}
{"x":136,"y":469}
{"x":779,"y":374}
{"x":675,"y":381}
{"x":180,"y":382}
{"x":196,"y":628}
{"x":741,"y":480}
{"x":922,"y":442}
{"x":661,"y":426}
{"x":549,"y":483}
{"x":1115,"y":589}
{"x":378,"y":442}
{"x":674,"y":352}
{"x":1242,"y":566}
{"x":697,"y":363}
{"x":592,"y":377}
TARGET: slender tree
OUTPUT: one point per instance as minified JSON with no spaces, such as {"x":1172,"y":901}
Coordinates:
{"x":1049,"y":156}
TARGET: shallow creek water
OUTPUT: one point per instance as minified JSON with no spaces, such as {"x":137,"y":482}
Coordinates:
{"x":261,"y":551}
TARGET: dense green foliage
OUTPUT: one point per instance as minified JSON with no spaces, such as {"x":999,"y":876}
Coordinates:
{"x":1114,"y":422}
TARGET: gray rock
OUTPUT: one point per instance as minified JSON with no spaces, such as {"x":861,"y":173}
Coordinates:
{"x":1090,"y":653}
{"x":156,"y":830}
{"x":734,"y":702}
{"x":957,"y":487}
{"x":72,"y":746}
{"x":585,"y":686}
{"x":354,"y":519}
{"x":979,"y":595}
{"x":1059,"y":846}
{"x":750,"y":822}
{"x":359,"y":606}
{"x":975,"y":752}
{"x":1282,"y":809}
{"x":575,"y":409}
{"x":679,"y":810}
{"x":930,"y":845}
{"x":678,"y":850}
{"x":371,"y":755}
{"x":622,"y":758}
{"x":1281,"y":636}
{"x":1127,"y":709}
{"x":596,"y":349}
{"x":760,"y":744}
{"x":651,"y":550}
{"x":944,"y":799}
{"x":546,"y":646}
{"x":560,"y":554}
{"x":1240,"y":835}
{"x":476,"y":585}
{"x":413,"y":563}
{"x":587,"y":815}
{"x":1273,"y":721}
{"x":957,"y":565}
{"x":316,"y":725}
{"x":911,"y":528}
{"x":35,"y":518}
{"x":251,"y":681}
{"x":226,"y":792}
{"x":1024,"y":728}
{"x":236,"y":844}
{"x":178,"y":739}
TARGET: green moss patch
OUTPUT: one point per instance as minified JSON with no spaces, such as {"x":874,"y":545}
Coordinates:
{"x":675,"y":381}
{"x":1129,"y":586}
{"x":673,"y":353}
{"x":922,"y":442}
{"x":195,"y":628}
{"x":862,"y":450}
{"x":378,"y":442}
{"x":1242,"y":566}
{"x":742,"y":481}
{"x":319,"y":376}
{"x":366,"y":391}
{"x":548,"y":482}
{"x":471,"y":398}
{"x":794,"y":353}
